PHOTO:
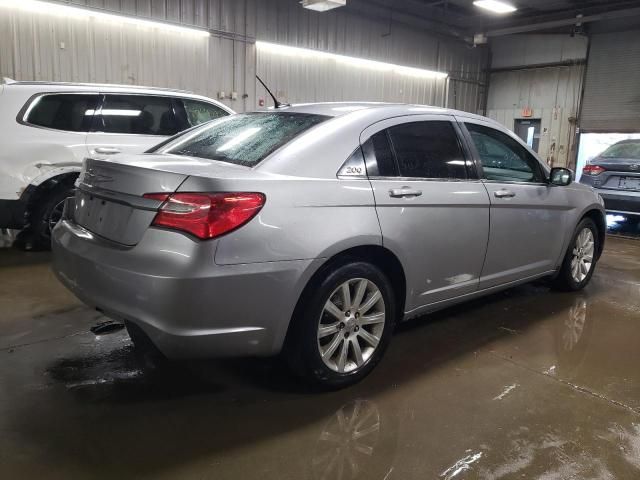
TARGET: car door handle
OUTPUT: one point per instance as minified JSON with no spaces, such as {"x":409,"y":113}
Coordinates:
{"x":504,"y":194}
{"x":404,"y":192}
{"x":107,"y":150}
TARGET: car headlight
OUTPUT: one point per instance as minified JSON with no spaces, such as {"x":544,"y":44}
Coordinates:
{"x":600,"y":199}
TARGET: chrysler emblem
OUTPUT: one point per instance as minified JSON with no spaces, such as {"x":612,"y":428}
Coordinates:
{"x":95,"y":177}
{"x":635,"y":166}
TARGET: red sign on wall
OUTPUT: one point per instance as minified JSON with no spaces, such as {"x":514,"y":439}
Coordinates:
{"x":527,"y":112}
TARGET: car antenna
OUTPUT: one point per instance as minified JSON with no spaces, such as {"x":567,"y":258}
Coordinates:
{"x":276,"y":102}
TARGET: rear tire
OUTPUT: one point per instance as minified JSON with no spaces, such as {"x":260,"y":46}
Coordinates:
{"x":44,"y":216}
{"x":580,"y":260}
{"x":342,"y":325}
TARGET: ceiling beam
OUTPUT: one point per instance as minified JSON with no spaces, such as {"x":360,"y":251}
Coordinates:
{"x":533,"y":27}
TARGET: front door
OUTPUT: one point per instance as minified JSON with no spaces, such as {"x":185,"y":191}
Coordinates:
{"x":528,"y":215}
{"x":433,"y":210}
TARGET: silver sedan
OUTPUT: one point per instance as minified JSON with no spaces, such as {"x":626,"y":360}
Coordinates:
{"x":312,"y":230}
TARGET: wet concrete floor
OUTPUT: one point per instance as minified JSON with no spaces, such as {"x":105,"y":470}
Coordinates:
{"x":527,"y":383}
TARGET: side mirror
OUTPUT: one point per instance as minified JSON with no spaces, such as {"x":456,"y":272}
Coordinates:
{"x":560,"y":177}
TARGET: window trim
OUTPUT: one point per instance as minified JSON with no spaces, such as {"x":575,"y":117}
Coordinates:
{"x":472,"y":173}
{"x":21,"y":117}
{"x":467,"y":134}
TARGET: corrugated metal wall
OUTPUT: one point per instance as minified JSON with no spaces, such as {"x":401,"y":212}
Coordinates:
{"x":96,"y":51}
{"x":296,"y":79}
{"x":553,"y":93}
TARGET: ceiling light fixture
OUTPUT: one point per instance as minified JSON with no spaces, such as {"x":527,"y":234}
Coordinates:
{"x":495,"y":6}
{"x":68,"y":11}
{"x":323,"y":5}
{"x":352,"y":61}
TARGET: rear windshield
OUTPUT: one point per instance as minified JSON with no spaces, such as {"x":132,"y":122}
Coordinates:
{"x":622,"y":150}
{"x":243,"y":139}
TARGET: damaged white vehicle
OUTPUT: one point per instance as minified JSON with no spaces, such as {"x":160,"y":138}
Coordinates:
{"x":47,"y":129}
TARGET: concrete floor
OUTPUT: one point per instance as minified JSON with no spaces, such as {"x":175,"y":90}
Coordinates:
{"x":524,"y":384}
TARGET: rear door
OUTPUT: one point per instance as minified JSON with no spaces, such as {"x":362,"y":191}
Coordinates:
{"x":126,"y":123}
{"x":432,"y":208}
{"x":528,"y":215}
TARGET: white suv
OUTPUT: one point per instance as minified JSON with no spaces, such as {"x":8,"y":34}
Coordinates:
{"x":47,"y":129}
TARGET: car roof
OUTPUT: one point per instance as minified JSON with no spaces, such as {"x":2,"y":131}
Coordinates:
{"x":35,"y":87}
{"x":92,"y":86}
{"x":384,"y":109}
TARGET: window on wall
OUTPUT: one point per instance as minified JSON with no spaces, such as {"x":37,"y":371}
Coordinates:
{"x":69,"y":112}
{"x":428,"y":149}
{"x":502,"y":157}
{"x":137,"y":114}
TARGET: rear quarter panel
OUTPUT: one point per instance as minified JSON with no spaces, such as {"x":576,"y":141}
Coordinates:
{"x":303,"y":218}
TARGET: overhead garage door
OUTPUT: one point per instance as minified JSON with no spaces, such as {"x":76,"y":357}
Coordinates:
{"x":612,"y":94}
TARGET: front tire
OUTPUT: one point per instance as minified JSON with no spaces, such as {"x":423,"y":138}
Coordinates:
{"x":580,"y":260}
{"x":342,"y":325}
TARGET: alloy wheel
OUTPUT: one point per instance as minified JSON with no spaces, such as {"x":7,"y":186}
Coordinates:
{"x":351,"y":325}
{"x":55,"y":216}
{"x":583,"y":250}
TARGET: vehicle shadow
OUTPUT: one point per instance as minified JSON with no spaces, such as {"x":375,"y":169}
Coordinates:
{"x":198,"y":410}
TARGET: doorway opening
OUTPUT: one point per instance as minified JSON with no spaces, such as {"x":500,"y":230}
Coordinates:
{"x":529,"y":131}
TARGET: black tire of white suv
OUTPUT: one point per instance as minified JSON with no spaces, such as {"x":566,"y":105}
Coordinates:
{"x":46,"y":212}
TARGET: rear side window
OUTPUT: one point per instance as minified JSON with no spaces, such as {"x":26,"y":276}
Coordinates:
{"x":244,"y":139}
{"x":137,"y":114}
{"x":69,"y":112}
{"x":428,"y":150}
{"x":503,"y":158}
{"x":623,"y":150}
{"x":201,"y":112}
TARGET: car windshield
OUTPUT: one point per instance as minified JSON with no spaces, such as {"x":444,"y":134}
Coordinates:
{"x":244,"y":139}
{"x":622,"y":150}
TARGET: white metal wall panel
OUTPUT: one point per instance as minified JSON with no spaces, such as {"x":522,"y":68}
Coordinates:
{"x":612,"y":97}
{"x":112,"y":53}
{"x":296,"y":79}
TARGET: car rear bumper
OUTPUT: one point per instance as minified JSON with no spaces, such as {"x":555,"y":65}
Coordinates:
{"x":169,"y":286}
{"x":621,"y":202}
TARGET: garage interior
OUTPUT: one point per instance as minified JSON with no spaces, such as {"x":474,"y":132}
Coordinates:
{"x":526,"y":383}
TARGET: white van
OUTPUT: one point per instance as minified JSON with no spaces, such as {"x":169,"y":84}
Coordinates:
{"x":47,"y":129}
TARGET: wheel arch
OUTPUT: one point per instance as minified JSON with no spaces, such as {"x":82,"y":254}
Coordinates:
{"x":600,"y":219}
{"x":377,"y":255}
{"x":35,"y":192}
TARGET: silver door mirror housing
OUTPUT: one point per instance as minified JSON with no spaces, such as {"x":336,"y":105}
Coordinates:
{"x":560,"y":176}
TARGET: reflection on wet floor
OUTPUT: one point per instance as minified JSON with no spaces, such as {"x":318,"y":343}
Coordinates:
{"x":527,"y":383}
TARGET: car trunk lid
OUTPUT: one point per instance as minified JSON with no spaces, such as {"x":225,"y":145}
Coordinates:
{"x":619,"y":174}
{"x":109,"y":200}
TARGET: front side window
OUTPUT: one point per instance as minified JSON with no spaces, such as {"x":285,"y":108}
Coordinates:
{"x":503,"y":158}
{"x":201,"y":112}
{"x":137,"y":114}
{"x":68,"y":112}
{"x":428,"y":150}
{"x":244,"y":139}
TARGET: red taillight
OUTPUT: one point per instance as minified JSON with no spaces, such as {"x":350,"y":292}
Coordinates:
{"x":206,"y":215}
{"x":592,"y":170}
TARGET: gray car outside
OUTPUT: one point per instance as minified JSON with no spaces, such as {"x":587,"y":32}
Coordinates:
{"x":311,"y":230}
{"x":615,"y":174}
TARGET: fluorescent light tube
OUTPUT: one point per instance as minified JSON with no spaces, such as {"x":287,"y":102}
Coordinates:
{"x":49,"y":8}
{"x":352,"y":61}
{"x":495,"y":6}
